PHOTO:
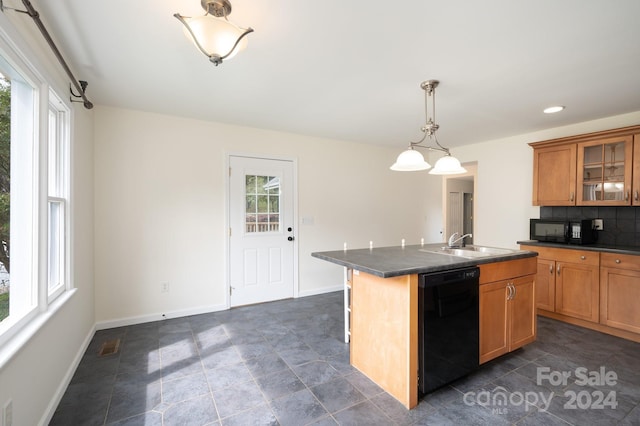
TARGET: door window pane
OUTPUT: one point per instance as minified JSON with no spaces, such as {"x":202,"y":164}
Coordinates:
{"x":262,"y":204}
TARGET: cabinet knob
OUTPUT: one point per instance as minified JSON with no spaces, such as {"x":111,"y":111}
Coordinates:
{"x":558,"y":269}
{"x":636,"y":196}
{"x":626,"y":196}
{"x":551,"y":269}
{"x":618,"y":261}
{"x":582,"y":257}
{"x":572,"y":196}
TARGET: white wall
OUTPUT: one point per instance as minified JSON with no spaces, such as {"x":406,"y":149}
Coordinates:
{"x":36,"y":376}
{"x":505,"y":179}
{"x":160,"y":209}
{"x":160,"y":205}
{"x":159,"y":215}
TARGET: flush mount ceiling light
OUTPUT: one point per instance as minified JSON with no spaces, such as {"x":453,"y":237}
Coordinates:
{"x":553,"y":109}
{"x":213,"y":34}
{"x":412,"y":160}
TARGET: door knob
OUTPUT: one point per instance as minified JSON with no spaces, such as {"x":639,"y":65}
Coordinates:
{"x":290,"y":238}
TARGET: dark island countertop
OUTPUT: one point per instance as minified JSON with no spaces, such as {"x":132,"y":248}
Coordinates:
{"x":589,"y":247}
{"x":386,"y":262}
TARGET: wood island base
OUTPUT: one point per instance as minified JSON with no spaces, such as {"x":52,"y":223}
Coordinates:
{"x":384,"y":333}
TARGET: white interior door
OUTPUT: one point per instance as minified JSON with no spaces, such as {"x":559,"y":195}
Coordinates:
{"x":454,"y":213}
{"x":261,"y":234}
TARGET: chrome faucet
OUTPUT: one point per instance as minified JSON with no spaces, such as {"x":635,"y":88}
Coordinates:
{"x":453,"y":240}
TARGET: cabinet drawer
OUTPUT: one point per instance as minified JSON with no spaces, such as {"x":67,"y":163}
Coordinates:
{"x":497,"y":271}
{"x":585,"y":257}
{"x":620,"y":261}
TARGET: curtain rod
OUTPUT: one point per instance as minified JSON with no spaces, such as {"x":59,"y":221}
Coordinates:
{"x":80,"y":85}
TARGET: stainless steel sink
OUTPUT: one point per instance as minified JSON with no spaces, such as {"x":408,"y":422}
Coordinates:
{"x":485,"y":249}
{"x":470,"y":251}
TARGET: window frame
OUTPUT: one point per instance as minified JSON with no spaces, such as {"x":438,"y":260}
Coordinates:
{"x":37,"y":305}
{"x":58,"y":192}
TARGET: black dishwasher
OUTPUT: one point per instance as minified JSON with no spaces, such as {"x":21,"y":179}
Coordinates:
{"x":448,"y":329}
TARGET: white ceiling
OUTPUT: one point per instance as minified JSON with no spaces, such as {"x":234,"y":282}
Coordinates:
{"x":351,"y":70}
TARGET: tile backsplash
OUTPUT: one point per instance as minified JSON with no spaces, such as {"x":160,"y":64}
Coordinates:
{"x":621,"y":224}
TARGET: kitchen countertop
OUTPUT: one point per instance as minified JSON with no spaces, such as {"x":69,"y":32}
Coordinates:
{"x":590,"y":247}
{"x":386,"y":262}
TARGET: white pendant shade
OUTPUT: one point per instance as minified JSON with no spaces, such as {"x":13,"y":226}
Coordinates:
{"x":448,"y":165}
{"x":215,"y":35}
{"x":410,"y":161}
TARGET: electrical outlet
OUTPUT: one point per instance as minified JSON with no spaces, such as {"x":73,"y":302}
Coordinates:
{"x":597,"y":224}
{"x":7,"y":413}
{"x":164,"y":287}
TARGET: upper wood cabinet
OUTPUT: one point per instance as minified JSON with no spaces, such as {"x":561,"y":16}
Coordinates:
{"x":604,"y":171}
{"x":554,"y":175}
{"x":595,"y":169}
{"x":635,"y":186}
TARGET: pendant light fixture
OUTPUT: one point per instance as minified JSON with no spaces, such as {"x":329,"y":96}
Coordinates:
{"x":412,"y":160}
{"x":213,"y":34}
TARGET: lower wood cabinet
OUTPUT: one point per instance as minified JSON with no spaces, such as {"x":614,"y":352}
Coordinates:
{"x":568,"y":282}
{"x":507,"y":307}
{"x":620,"y":291}
{"x":597,"y":290}
{"x":577,"y":290}
{"x":546,"y":284}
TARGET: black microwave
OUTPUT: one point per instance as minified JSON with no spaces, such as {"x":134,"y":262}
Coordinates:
{"x":563,"y":231}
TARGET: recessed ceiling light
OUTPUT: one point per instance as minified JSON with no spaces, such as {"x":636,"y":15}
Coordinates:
{"x":553,"y":109}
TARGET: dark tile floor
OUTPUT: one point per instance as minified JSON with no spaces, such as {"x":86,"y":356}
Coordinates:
{"x":285,"y":363}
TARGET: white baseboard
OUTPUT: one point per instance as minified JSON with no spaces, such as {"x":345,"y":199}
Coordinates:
{"x":323,"y":290}
{"x":62,"y":388}
{"x":123,"y":322}
{"x":103,"y":325}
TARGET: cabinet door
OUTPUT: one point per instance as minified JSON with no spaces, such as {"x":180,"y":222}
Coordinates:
{"x":522,"y":312}
{"x":577,"y":290}
{"x":604,"y":172}
{"x":554,"y":176}
{"x":546,"y":285}
{"x":635,"y":199}
{"x":493,"y":320}
{"x":619,"y":295}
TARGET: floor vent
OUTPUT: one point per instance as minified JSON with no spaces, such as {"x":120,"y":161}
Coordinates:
{"x":109,"y":347}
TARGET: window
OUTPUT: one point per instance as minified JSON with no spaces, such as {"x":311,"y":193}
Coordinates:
{"x":5,"y":194}
{"x":19,"y":242}
{"x":34,"y":194}
{"x":262,"y":211}
{"x":58,"y":183}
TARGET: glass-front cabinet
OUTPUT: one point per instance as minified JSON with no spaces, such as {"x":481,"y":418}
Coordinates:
{"x":604,"y":171}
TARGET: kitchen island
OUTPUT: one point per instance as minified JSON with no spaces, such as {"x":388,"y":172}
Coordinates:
{"x":381,"y":289}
